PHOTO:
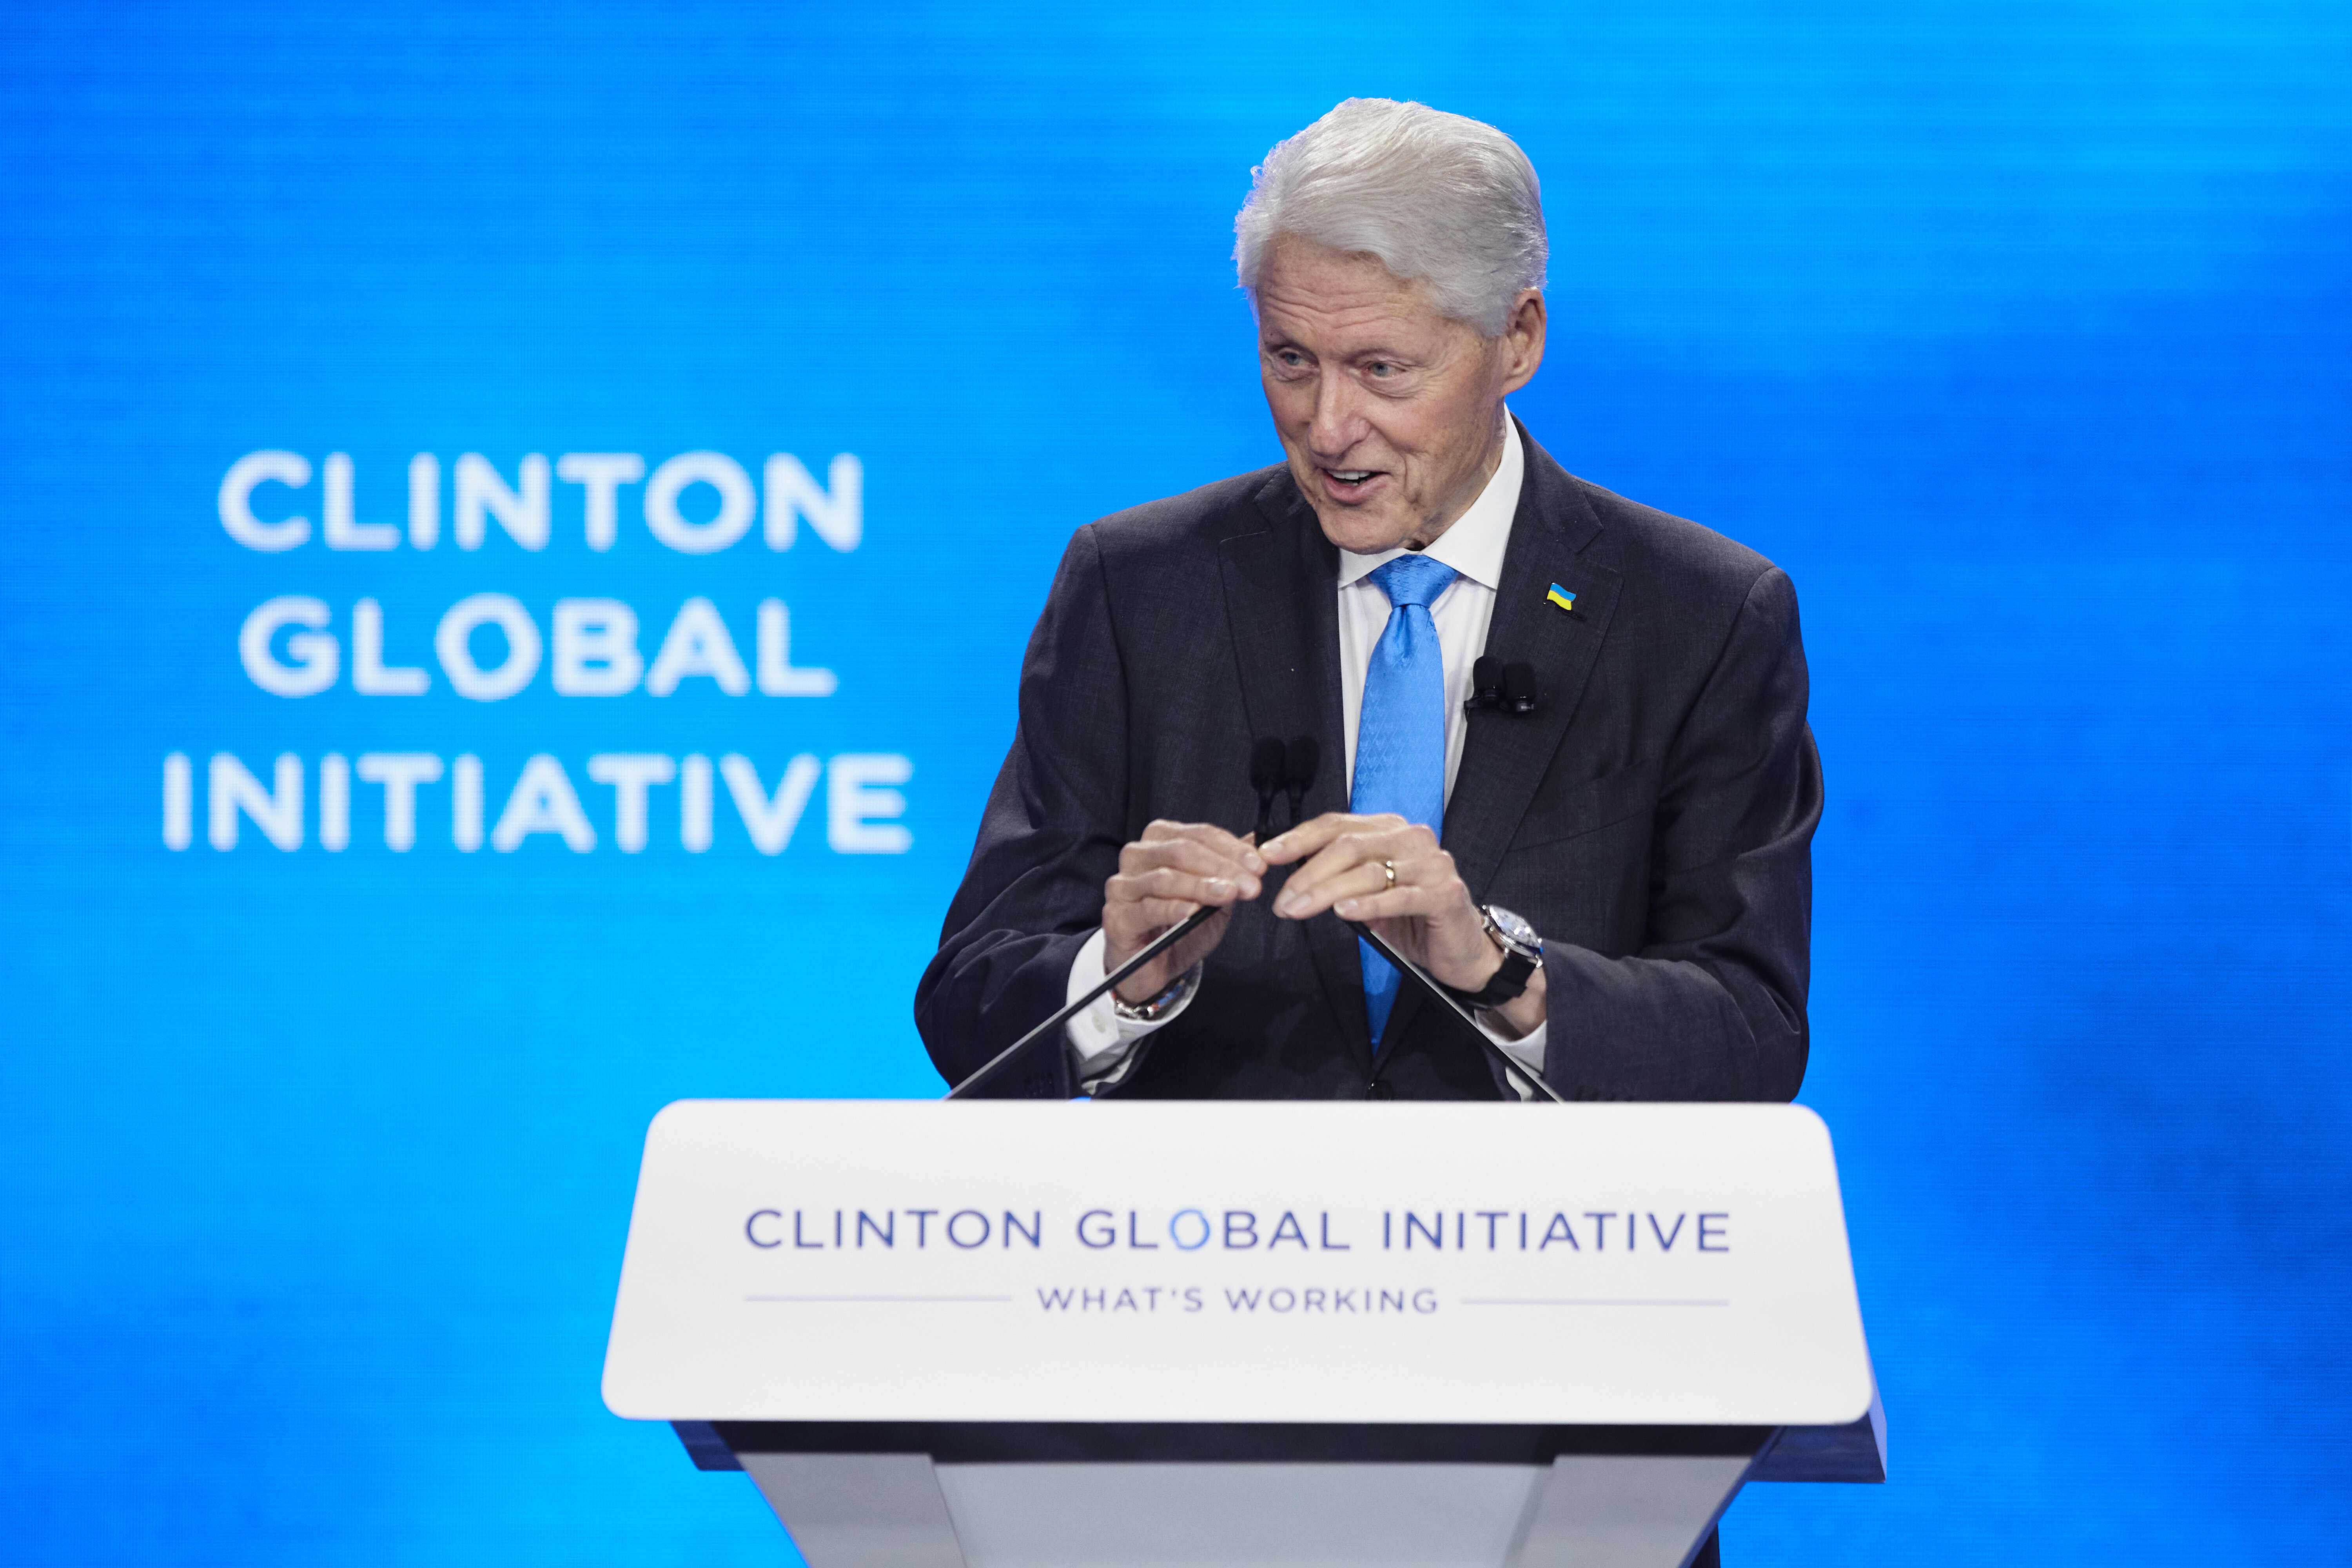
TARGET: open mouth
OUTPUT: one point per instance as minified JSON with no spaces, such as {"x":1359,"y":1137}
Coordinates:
{"x":1347,"y":484}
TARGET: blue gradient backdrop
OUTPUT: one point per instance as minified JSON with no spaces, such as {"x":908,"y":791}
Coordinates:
{"x":2018,"y":333}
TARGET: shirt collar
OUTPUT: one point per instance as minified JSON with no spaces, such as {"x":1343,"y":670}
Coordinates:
{"x":1474,"y":546}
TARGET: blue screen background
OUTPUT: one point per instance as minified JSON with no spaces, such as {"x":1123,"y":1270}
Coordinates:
{"x":2018,"y":333}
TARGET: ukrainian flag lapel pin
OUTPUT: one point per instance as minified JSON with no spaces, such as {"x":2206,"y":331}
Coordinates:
{"x":1561,"y":597}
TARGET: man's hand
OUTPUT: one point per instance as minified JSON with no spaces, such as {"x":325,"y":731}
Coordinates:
{"x":1427,"y":915}
{"x":1174,"y":869}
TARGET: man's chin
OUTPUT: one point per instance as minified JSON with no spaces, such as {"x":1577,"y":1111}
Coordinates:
{"x":1363,"y":531}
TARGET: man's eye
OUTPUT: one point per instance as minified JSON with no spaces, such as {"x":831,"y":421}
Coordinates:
{"x":1380,"y":368}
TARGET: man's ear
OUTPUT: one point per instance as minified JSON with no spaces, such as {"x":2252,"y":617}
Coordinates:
{"x":1523,"y":340}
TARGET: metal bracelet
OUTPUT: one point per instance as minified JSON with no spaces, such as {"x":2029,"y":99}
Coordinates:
{"x":1159,"y":1006}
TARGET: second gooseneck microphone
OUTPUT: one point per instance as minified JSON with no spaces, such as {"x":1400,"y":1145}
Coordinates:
{"x":1283,"y":767}
{"x":1301,"y":759}
{"x":1270,"y":764}
{"x":1305,"y":755}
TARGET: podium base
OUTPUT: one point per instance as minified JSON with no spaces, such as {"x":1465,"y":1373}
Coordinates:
{"x":881,"y":1495}
{"x":899,"y":1511}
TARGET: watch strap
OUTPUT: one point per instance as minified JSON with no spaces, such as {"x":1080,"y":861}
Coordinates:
{"x":1507,"y":983}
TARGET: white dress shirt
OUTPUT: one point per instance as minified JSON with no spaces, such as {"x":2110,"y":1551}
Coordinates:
{"x":1103,"y":1042}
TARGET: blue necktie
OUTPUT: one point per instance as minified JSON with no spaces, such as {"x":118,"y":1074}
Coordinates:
{"x":1400,"y":731}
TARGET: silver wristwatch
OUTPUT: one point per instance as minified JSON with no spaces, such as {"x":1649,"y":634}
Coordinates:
{"x":1522,"y":952}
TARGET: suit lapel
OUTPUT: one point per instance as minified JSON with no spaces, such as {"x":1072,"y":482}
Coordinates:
{"x":1507,"y":755}
{"x":1290,"y":686}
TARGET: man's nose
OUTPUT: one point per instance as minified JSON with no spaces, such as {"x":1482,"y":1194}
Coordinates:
{"x":1338,"y":422}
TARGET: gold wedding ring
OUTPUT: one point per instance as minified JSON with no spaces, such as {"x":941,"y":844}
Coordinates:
{"x":1388,"y":869}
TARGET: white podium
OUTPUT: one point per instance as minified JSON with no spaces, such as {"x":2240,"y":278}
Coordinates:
{"x":1014,"y":1334}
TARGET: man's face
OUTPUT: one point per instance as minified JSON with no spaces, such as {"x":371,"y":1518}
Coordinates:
{"x":1390,"y":413}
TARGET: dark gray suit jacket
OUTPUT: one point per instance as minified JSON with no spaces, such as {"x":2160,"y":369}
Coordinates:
{"x":1653,"y":817}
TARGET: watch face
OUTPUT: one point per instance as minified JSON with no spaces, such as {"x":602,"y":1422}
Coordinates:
{"x":1514,"y":931}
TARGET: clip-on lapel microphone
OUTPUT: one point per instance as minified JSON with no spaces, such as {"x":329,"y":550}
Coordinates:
{"x":1501,"y":688}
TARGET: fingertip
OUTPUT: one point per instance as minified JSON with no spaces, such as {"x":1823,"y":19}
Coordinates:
{"x":1345,"y":908}
{"x":1252,"y":860}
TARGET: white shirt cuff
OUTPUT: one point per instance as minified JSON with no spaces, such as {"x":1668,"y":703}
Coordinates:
{"x":1528,"y":1051}
{"x":1101,"y":1040}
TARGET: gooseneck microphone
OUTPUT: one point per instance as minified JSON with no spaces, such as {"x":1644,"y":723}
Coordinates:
{"x":1512,"y":1067}
{"x":1300,"y":762}
{"x":1268,"y":770}
{"x":1149,"y":950}
{"x":1304,"y":754}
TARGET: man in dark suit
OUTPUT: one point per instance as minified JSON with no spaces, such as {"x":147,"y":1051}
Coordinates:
{"x":1619,"y":880}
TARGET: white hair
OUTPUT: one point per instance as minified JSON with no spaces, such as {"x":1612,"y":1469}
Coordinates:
{"x":1449,"y":201}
